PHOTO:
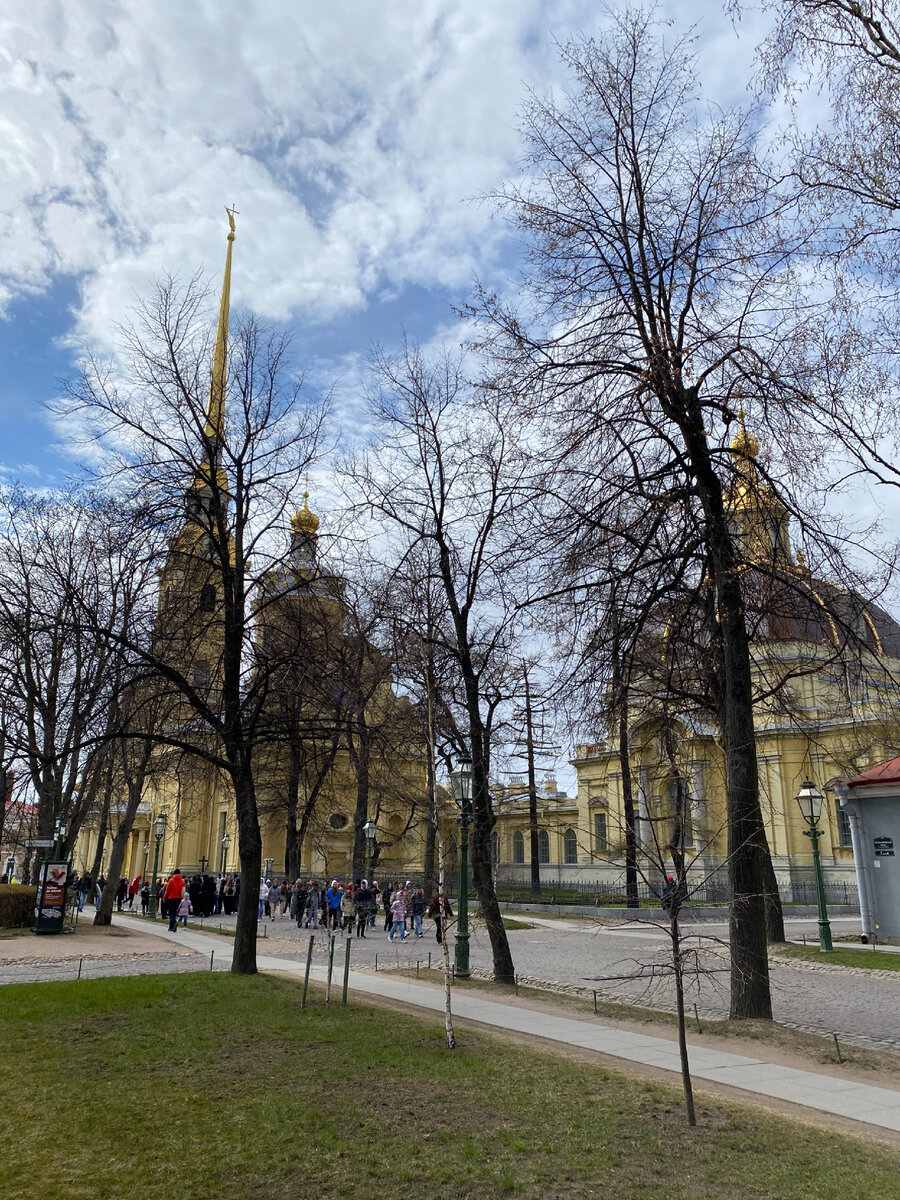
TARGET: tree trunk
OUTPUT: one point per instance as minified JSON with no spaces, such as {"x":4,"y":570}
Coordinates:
{"x":361,"y":815}
{"x":532,"y":795}
{"x":775,"y":934}
{"x":750,"y":992}
{"x":291,"y":833}
{"x":678,"y":966}
{"x":482,"y":872}
{"x":103,"y":915}
{"x":243,"y":960}
{"x":631,"y":872}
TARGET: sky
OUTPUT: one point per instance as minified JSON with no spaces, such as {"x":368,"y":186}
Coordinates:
{"x":354,"y":139}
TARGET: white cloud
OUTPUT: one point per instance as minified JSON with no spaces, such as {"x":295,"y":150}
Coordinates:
{"x":349,"y":137}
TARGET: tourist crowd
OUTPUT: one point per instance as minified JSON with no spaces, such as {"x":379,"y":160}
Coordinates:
{"x":339,"y":907}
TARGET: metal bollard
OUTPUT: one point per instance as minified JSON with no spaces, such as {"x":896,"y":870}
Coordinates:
{"x":837,"y":1047}
{"x":80,"y":961}
{"x":330,"y":971}
{"x":697,"y":1019}
{"x":212,"y":955}
{"x":346,"y":972}
{"x":312,"y":942}
{"x":596,"y":1012}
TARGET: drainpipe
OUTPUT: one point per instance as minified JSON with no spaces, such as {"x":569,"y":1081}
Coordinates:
{"x":859,"y":863}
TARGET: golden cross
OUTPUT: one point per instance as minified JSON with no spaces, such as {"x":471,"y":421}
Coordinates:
{"x":232,"y":213}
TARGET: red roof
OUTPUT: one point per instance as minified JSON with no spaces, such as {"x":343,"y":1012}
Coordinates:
{"x":886,"y":772}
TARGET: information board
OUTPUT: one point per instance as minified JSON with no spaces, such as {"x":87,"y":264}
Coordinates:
{"x":50,"y":906}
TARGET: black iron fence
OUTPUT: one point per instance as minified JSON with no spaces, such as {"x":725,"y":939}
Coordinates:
{"x":712,"y":891}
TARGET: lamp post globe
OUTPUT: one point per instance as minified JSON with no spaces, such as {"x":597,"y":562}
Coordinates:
{"x":461,"y":790}
{"x":810,"y":800}
{"x":226,"y":846}
{"x":159,"y":832}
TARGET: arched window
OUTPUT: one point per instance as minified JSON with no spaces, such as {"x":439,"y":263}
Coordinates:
{"x":518,"y":847}
{"x":495,"y":848}
{"x":543,"y":846}
{"x":570,"y":847}
{"x":207,"y":598}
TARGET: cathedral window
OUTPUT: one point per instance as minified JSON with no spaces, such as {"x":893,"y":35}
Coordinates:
{"x":543,"y":846}
{"x":208,"y":598}
{"x":600,"y":837}
{"x":495,"y":848}
{"x":570,"y":848}
{"x":518,"y":847}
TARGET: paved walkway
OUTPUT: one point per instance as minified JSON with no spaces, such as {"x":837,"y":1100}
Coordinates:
{"x":875,"y":1106}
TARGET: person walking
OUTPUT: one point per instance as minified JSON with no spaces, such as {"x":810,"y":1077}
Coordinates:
{"x":312,"y":905}
{"x":373,"y":904}
{"x":398,"y":915}
{"x":302,"y":901}
{"x":184,"y":909}
{"x":229,"y":896}
{"x":85,"y":887}
{"x":348,"y":910}
{"x":363,"y":902}
{"x":333,"y":905}
{"x":263,"y":898}
{"x":386,"y":901}
{"x":417,"y":910}
{"x":145,"y":897}
{"x":121,"y":893}
{"x":172,"y":896}
{"x":133,"y":888}
{"x":440,"y":911}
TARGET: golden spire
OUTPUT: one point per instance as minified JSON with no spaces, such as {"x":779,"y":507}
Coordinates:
{"x":305,"y":521}
{"x":215,"y":412}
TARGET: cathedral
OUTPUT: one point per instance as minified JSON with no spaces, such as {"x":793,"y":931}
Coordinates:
{"x":336,"y":751}
{"x":826,"y":666}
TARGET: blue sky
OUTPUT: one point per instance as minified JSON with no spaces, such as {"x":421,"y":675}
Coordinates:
{"x":351,"y":137}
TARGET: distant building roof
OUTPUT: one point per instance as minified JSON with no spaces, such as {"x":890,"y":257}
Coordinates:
{"x":886,"y":772}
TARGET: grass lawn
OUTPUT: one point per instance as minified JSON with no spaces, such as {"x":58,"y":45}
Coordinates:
{"x":871,"y":960}
{"x":217,"y":1085}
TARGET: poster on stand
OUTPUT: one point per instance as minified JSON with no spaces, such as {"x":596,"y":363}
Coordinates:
{"x":50,"y":906}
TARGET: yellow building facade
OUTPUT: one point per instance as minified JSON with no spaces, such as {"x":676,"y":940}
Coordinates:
{"x":826,"y":670}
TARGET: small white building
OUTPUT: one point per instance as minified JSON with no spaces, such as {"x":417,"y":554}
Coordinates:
{"x":872,"y":803}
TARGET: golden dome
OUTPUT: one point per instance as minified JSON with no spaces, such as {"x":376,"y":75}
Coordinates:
{"x":305,"y":521}
{"x":745,"y":443}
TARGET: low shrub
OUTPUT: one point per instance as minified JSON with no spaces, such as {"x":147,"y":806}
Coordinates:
{"x":16,"y":905}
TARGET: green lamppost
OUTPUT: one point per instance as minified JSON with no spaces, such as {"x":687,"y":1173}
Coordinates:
{"x":461,"y":790}
{"x":159,"y":832}
{"x":369,"y":829}
{"x":810,"y":800}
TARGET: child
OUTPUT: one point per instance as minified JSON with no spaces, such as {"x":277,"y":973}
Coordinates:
{"x":184,"y":908}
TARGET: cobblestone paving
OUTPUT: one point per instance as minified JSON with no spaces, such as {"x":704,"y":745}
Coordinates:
{"x":97,"y":966}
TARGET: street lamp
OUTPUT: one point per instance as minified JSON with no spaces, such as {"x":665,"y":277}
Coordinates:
{"x":369,"y":829}
{"x":810,"y":800}
{"x":159,"y":832}
{"x":59,"y":836}
{"x":461,"y":790}
{"x":226,"y":846}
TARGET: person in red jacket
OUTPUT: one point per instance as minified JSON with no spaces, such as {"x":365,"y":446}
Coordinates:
{"x":175,"y":889}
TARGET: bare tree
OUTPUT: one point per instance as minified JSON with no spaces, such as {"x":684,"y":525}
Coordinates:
{"x":657,"y":245}
{"x":214,"y":439}
{"x":448,"y":474}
